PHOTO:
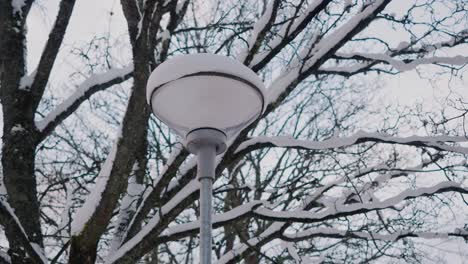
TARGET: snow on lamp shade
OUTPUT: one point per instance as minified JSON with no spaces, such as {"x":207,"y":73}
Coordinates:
{"x":195,"y":91}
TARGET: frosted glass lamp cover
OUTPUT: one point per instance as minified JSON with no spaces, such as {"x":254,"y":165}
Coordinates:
{"x":190,"y":92}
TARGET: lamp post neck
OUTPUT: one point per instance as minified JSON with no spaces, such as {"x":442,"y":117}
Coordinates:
{"x":206,"y":173}
{"x":206,"y":144}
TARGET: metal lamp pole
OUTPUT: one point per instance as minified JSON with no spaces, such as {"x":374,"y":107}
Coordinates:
{"x":206,"y":143}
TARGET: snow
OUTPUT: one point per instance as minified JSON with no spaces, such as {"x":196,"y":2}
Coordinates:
{"x":27,"y":80}
{"x":190,"y":188}
{"x":219,"y":218}
{"x":257,"y":28}
{"x":17,"y":129}
{"x":346,"y":69}
{"x":430,"y":141}
{"x":402,"y":45}
{"x":81,"y":90}
{"x":240,"y":248}
{"x":146,"y":194}
{"x":403,"y":66}
{"x":282,"y":32}
{"x":366,"y":235}
{"x":18,"y":6}
{"x":179,"y":6}
{"x":127,"y":207}
{"x":39,"y":251}
{"x":322,"y":48}
{"x":165,"y":35}
{"x":340,"y":208}
{"x":85,"y":212}
{"x":292,"y":251}
{"x":182,"y":65}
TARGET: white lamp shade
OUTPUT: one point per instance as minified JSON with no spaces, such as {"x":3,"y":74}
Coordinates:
{"x":196,"y":91}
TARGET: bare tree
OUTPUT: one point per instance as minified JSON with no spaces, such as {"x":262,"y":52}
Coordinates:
{"x":307,"y":182}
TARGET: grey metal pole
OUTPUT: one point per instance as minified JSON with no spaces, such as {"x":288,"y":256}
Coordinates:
{"x":206,"y":173}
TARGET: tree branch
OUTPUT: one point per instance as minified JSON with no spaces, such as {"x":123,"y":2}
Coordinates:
{"x":51,"y":50}
{"x":84,"y":91}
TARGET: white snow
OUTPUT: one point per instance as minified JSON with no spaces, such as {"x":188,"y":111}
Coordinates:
{"x":282,"y":32}
{"x":80,"y":91}
{"x":85,"y":212}
{"x":127,"y":206}
{"x":257,"y":28}
{"x":366,"y":235}
{"x":402,"y":45}
{"x":430,"y":141}
{"x":339,"y":208}
{"x":241,"y":247}
{"x":179,"y":5}
{"x":17,"y":129}
{"x":27,"y":80}
{"x":219,"y":218}
{"x":165,"y":35}
{"x":190,"y":188}
{"x":39,"y":251}
{"x":323,"y":47}
{"x":292,"y":251}
{"x":402,"y":66}
{"x":346,"y":69}
{"x":18,"y":6}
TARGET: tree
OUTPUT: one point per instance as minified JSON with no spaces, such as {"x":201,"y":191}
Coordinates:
{"x":95,"y":178}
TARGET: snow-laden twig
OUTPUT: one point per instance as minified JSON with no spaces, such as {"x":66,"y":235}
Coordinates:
{"x":340,"y":210}
{"x":409,"y":64}
{"x":288,"y":32}
{"x":259,"y":30}
{"x":337,"y":233}
{"x":436,"y":142}
{"x":218,"y":220}
{"x":278,"y":227}
{"x":272,"y":231}
{"x":320,"y":52}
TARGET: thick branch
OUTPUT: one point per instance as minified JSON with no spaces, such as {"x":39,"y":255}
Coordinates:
{"x":51,"y":50}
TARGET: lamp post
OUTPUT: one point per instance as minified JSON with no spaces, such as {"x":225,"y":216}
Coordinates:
{"x":206,"y":99}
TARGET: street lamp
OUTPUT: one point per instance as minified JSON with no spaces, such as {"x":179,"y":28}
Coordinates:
{"x":206,"y":99}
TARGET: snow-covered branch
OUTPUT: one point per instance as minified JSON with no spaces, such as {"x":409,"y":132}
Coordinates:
{"x":260,"y":29}
{"x":435,"y":142}
{"x":337,"y":233}
{"x":406,"y":64}
{"x":341,"y":210}
{"x":322,"y":51}
{"x":219,"y":220}
{"x":287,"y":33}
{"x":283,"y":219}
{"x":152,"y":197}
{"x":85,"y":90}
{"x":86,"y":211}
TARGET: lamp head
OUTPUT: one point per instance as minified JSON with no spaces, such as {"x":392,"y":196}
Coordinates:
{"x":205,"y":91}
